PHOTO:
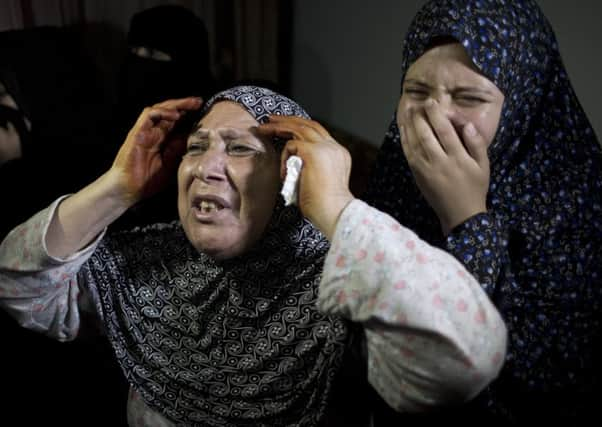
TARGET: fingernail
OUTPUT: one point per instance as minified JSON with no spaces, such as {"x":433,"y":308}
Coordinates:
{"x":470,"y":129}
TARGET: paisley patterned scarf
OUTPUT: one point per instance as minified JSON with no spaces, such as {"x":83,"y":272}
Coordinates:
{"x":237,"y":342}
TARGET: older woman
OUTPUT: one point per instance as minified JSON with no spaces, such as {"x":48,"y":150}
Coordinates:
{"x":224,"y":317}
{"x":492,"y":158}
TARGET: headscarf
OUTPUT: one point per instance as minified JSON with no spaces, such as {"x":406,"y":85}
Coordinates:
{"x":537,"y":251}
{"x":15,"y":116}
{"x":236,"y":342}
{"x":178,"y":32}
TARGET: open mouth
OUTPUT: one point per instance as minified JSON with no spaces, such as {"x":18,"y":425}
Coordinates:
{"x":209,"y":206}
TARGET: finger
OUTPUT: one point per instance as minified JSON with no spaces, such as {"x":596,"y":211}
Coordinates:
{"x":425,"y":137}
{"x":154,"y":116}
{"x":273,"y":130}
{"x":157,"y":114}
{"x":443,"y":129}
{"x":189,"y":103}
{"x":411,"y":148}
{"x":476,"y":145}
{"x":289,"y":130}
{"x":403,"y":141}
{"x":303,"y":122}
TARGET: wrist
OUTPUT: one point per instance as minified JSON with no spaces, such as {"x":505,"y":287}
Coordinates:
{"x":330,"y":213}
{"x":113,"y":185}
{"x":448,"y":225}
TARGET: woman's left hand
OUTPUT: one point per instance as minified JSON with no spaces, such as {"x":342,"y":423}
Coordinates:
{"x":324,"y":179}
{"x":451,"y":170}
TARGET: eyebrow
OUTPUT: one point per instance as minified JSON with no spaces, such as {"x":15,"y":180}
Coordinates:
{"x":416,"y":82}
{"x":201,"y":132}
{"x":472,"y":89}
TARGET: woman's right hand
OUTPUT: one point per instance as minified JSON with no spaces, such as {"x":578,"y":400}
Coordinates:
{"x":451,"y":167}
{"x":324,"y":179}
{"x":151,"y":152}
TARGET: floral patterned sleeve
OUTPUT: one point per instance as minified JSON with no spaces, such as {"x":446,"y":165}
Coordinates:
{"x":42,"y":292}
{"x":479,"y":244}
{"x":433,"y":336}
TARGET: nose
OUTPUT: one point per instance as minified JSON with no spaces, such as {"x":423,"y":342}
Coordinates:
{"x":446,"y":105}
{"x":211,"y":166}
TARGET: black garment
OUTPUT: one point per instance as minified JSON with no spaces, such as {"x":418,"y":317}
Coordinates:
{"x":182,"y":35}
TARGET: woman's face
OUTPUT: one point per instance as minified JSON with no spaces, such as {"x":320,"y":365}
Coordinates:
{"x":228,"y":182}
{"x":446,"y":74}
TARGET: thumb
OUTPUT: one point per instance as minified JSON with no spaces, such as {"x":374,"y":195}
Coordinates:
{"x":290,"y":149}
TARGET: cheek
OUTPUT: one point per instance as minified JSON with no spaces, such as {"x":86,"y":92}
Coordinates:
{"x":184,"y":180}
{"x":486,"y":122}
{"x":258,"y":191}
{"x":255,"y":184}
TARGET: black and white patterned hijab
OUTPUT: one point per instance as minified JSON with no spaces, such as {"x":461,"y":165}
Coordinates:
{"x":237,"y":342}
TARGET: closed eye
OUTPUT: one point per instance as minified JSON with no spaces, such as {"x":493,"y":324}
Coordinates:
{"x":416,"y":93}
{"x":197,"y":147}
{"x":469,"y":100}
{"x":239,"y":149}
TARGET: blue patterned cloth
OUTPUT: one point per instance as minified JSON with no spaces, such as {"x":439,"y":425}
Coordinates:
{"x":538,"y":249}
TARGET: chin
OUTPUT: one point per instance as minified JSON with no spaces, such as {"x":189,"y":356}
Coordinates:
{"x":221,"y":254}
{"x":220,"y":248}
{"x":221,"y":242}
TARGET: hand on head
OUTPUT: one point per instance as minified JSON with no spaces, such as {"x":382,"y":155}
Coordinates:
{"x":151,"y":150}
{"x":324,"y":180}
{"x":451,"y":167}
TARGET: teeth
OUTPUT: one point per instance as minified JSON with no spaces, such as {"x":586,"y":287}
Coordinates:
{"x":209,"y":206}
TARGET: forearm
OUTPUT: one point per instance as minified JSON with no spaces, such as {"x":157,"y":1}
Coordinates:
{"x":84,"y":215}
{"x":433,"y":335}
{"x":41,"y":292}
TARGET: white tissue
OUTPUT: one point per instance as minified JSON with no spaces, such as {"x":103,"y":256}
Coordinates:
{"x":291,"y":182}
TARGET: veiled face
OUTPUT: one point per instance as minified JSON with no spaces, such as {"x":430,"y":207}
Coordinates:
{"x":228,"y":182}
{"x":446,"y":74}
{"x":10,"y":140}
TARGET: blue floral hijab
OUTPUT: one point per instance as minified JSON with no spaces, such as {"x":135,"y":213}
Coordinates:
{"x":538,"y":250}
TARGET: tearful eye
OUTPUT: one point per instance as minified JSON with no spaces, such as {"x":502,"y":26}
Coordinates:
{"x":196,"y":147}
{"x":415,"y":93}
{"x":237,"y":149}
{"x":469,"y":100}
